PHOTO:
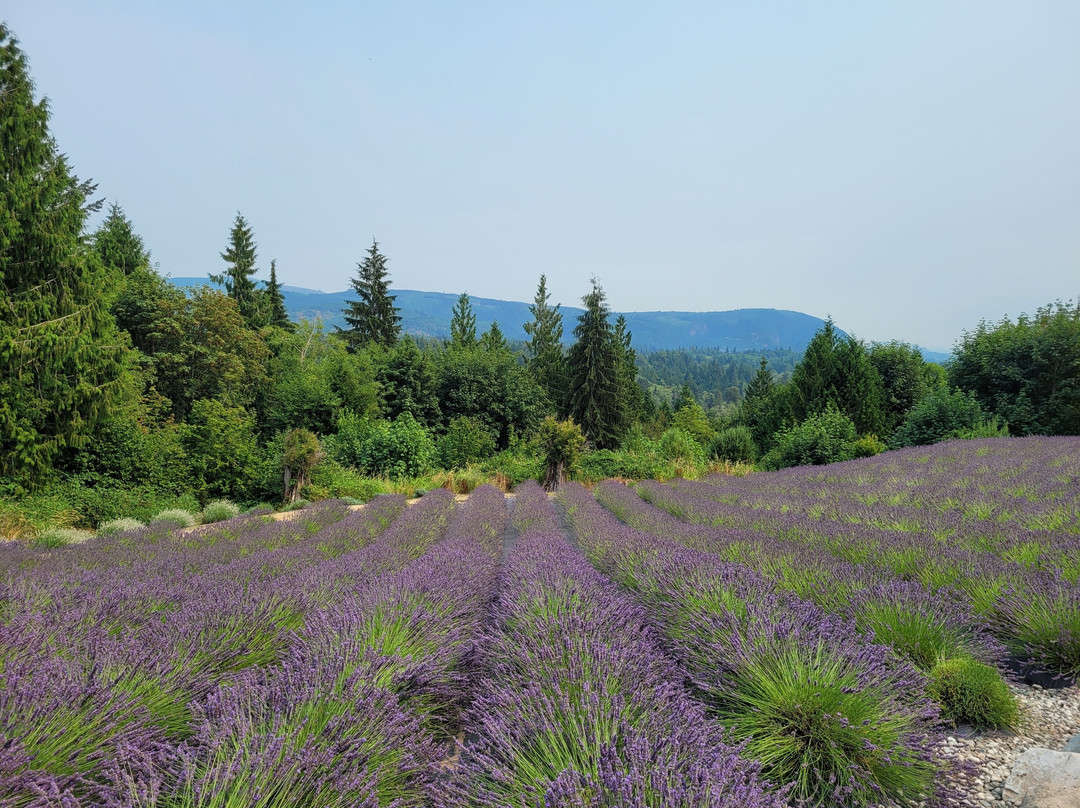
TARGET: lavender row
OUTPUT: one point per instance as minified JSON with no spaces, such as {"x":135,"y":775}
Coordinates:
{"x":815,"y":700}
{"x":359,"y":713}
{"x":1034,"y":611}
{"x":120,"y":666}
{"x":579,"y":707}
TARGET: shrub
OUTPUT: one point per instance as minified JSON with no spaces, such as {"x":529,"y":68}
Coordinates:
{"x":678,"y":445}
{"x":939,"y":416}
{"x":827,"y":437}
{"x":401,"y":448}
{"x":992,"y":428}
{"x":347,"y":445}
{"x":295,"y":505}
{"x":219,"y":510}
{"x":177,"y":517}
{"x":561,"y":442}
{"x":736,"y":443}
{"x":603,"y":464}
{"x":868,"y":446}
{"x":465,"y":441}
{"x":329,"y":479}
{"x":692,"y":420}
{"x":124,"y":524}
{"x":973,"y":692}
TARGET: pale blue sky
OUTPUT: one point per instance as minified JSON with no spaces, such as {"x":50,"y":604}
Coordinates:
{"x":908,"y":168}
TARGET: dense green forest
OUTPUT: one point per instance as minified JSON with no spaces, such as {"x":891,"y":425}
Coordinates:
{"x":121,"y":394}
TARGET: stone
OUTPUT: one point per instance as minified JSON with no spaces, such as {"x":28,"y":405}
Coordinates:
{"x":1043,"y":778}
{"x":1073,"y":744}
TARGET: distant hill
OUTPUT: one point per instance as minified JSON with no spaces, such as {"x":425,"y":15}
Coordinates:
{"x":428,"y":314}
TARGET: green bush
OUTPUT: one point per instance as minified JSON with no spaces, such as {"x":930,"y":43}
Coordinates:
{"x":603,"y":464}
{"x":175,"y":516}
{"x":296,"y":505}
{"x":972,"y":692}
{"x":736,"y":444}
{"x":466,"y":440}
{"x":827,"y":437}
{"x":219,"y":510}
{"x":868,"y":446}
{"x":95,"y":500}
{"x":992,"y":428}
{"x":329,"y":479}
{"x":939,"y":416}
{"x":401,"y":448}
{"x":124,"y":524}
{"x":677,"y":445}
{"x":346,"y":446}
{"x":692,"y":420}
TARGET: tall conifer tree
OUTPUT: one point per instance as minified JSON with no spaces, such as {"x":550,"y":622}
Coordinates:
{"x":545,"y":351}
{"x":463,"y":324}
{"x":240,"y":258}
{"x":372,"y":318}
{"x":275,"y":302}
{"x":596,"y":403}
{"x":61,"y":361}
{"x":117,"y":244}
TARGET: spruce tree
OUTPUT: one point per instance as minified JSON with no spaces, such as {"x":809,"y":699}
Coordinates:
{"x":117,"y":244}
{"x":493,"y":340}
{"x":596,"y":402}
{"x":275,"y":302}
{"x":545,"y":352}
{"x":463,"y":324}
{"x":240,"y":258}
{"x":631,"y":393}
{"x":373,"y":318}
{"x":61,"y":359}
{"x":761,"y":385}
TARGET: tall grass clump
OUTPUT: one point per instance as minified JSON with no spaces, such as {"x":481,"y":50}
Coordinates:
{"x":124,"y":524}
{"x":974,"y":692}
{"x":219,"y":510}
{"x":176,"y":517}
{"x":53,"y":537}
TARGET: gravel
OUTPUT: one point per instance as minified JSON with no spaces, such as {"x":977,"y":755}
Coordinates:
{"x":1050,"y":719}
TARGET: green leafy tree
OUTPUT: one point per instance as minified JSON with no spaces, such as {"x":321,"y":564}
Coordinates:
{"x":491,"y":387}
{"x":62,"y":360}
{"x":692,"y":420}
{"x":118,"y":246}
{"x":463,"y":324}
{"x":941,"y":415}
{"x":373,"y":318}
{"x":825,"y":437}
{"x":904,"y":380}
{"x":276,"y":314}
{"x":465,"y":441}
{"x":596,"y":403}
{"x":407,"y":378}
{"x":239,"y":257}
{"x":544,"y":351}
{"x":1027,"y":372}
{"x":222,"y":448}
{"x":401,"y":448}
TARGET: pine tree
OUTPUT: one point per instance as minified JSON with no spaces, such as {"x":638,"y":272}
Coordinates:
{"x":761,"y":386}
{"x":117,"y":244}
{"x":493,"y":340}
{"x":544,"y":351}
{"x":630,"y":393}
{"x":240,"y":258}
{"x":275,"y":302}
{"x":372,"y":318}
{"x":61,"y":359}
{"x":593,"y":368}
{"x":463,"y":324}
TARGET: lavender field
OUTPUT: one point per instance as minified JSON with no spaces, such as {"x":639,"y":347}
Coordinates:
{"x":805,"y":637}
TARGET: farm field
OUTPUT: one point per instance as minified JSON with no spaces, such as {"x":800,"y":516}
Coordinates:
{"x":811,"y":636}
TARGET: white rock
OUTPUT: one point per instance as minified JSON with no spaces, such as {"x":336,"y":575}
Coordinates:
{"x":1043,"y":778}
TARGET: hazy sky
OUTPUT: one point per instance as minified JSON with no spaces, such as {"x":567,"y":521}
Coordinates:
{"x":909,"y":168}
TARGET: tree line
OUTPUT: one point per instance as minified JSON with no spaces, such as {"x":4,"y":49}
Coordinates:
{"x":116,"y":387}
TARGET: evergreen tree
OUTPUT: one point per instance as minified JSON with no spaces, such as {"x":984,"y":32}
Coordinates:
{"x":463,"y":324}
{"x":240,"y":258}
{"x":593,"y":367}
{"x":545,"y":352}
{"x":837,"y":370}
{"x":761,"y":386}
{"x":118,"y":246}
{"x":275,"y":302}
{"x":373,"y":318}
{"x":61,"y":359}
{"x":630,"y":391}
{"x":408,"y":384}
{"x":493,"y":340}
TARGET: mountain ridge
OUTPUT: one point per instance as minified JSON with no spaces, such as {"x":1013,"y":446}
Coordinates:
{"x":428,"y":314}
